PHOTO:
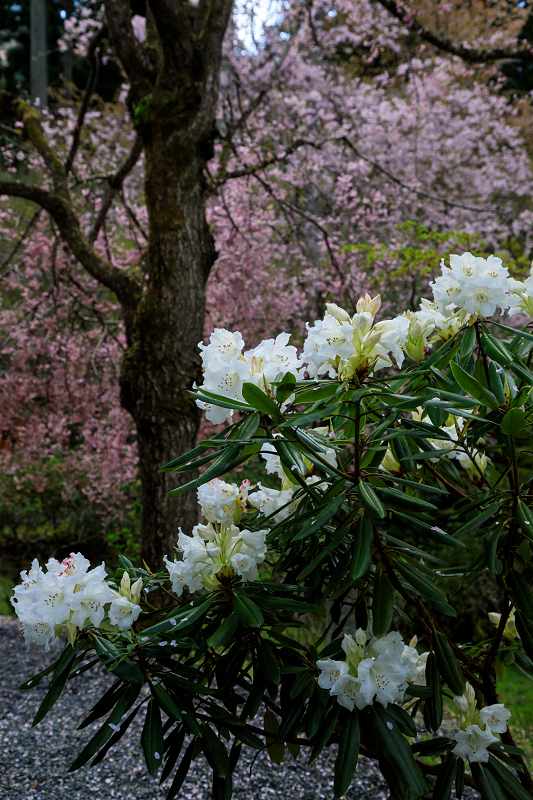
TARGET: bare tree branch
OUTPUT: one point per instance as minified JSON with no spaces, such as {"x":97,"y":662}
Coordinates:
{"x":60,"y":209}
{"x":475,"y":55}
{"x":115,"y":184}
{"x":266,"y":162}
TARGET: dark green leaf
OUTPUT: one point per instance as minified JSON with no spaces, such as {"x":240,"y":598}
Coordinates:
{"x":434,"y":705}
{"x":445,"y":779}
{"x":382,"y":605}
{"x":126,"y":699}
{"x":165,"y":701}
{"x":267,"y":662}
{"x":361,"y":552}
{"x":224,"y":632}
{"x":473,"y":387}
{"x":396,"y":750}
{"x":448,"y":664}
{"x":247,"y":611}
{"x":215,"y":752}
{"x":259,"y":400}
{"x":152,"y":741}
{"x":182,"y":771}
{"x":57,"y":685}
{"x":348,"y":754}
{"x":370,"y":500}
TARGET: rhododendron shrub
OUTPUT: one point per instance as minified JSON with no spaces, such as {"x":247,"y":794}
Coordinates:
{"x":381,"y":430}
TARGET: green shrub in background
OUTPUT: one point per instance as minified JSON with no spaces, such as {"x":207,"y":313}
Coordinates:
{"x":43,"y":523}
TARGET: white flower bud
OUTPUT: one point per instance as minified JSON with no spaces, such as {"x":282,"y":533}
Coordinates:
{"x":336,"y":311}
{"x":461,"y":703}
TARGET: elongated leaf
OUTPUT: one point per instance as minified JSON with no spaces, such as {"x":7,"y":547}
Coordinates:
{"x":215,"y":752}
{"x":224,"y":632}
{"x":182,"y":771}
{"x":510,"y":785}
{"x":152,"y":737}
{"x":474,"y":523}
{"x":361,"y":552}
{"x":224,"y":463}
{"x":382,"y":605}
{"x":323,"y":516}
{"x":287,"y":603}
{"x":57,"y":685}
{"x":290,"y":457}
{"x":473,"y":387}
{"x":125,"y":701}
{"x":434,"y":704}
{"x":370,"y":501}
{"x":317,"y":393}
{"x":179,"y":620}
{"x":489,"y":788}
{"x":445,"y":779}
{"x":247,"y":611}
{"x":396,"y":750}
{"x":521,"y":593}
{"x":324,"y":732}
{"x":117,"y":736}
{"x":348,"y":754}
{"x":396,"y":498}
{"x":267,"y":662}
{"x":448,"y":664}
{"x":259,"y":400}
{"x":427,"y":589}
{"x":467,"y":342}
{"x":165,"y":701}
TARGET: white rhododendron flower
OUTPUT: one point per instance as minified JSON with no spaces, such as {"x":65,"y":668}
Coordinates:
{"x":267,"y":501}
{"x":495,"y":717}
{"x":345,"y":346}
{"x":474,"y":285}
{"x":378,"y":670}
{"x":478,"y":726}
{"x":330,"y":672}
{"x":521,"y":293}
{"x":472,"y":743}
{"x":226,"y":368}
{"x":216,"y":553}
{"x":67,"y":597}
{"x":123,"y":612}
{"x":222,"y":502}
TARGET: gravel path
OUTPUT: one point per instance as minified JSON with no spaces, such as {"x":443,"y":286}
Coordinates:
{"x":34,"y":762}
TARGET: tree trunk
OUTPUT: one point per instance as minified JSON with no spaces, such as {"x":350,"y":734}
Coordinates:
{"x":163,"y":360}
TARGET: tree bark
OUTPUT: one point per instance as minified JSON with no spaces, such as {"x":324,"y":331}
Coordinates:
{"x":163,"y":362}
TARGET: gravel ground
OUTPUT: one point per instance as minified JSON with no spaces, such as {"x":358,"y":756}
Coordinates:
{"x":34,"y":762}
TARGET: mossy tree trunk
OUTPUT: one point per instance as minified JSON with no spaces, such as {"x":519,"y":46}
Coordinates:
{"x":173,"y":101}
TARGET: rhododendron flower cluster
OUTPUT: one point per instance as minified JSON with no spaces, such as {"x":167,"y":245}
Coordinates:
{"x":217,"y":552}
{"x":68,"y":597}
{"x":227,"y":368}
{"x":474,"y":285}
{"x":346,"y":345}
{"x":478,"y":726}
{"x":379,"y":669}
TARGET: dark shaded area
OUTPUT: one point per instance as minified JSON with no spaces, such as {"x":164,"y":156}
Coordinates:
{"x":15,"y":45}
{"x":519,"y":73}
